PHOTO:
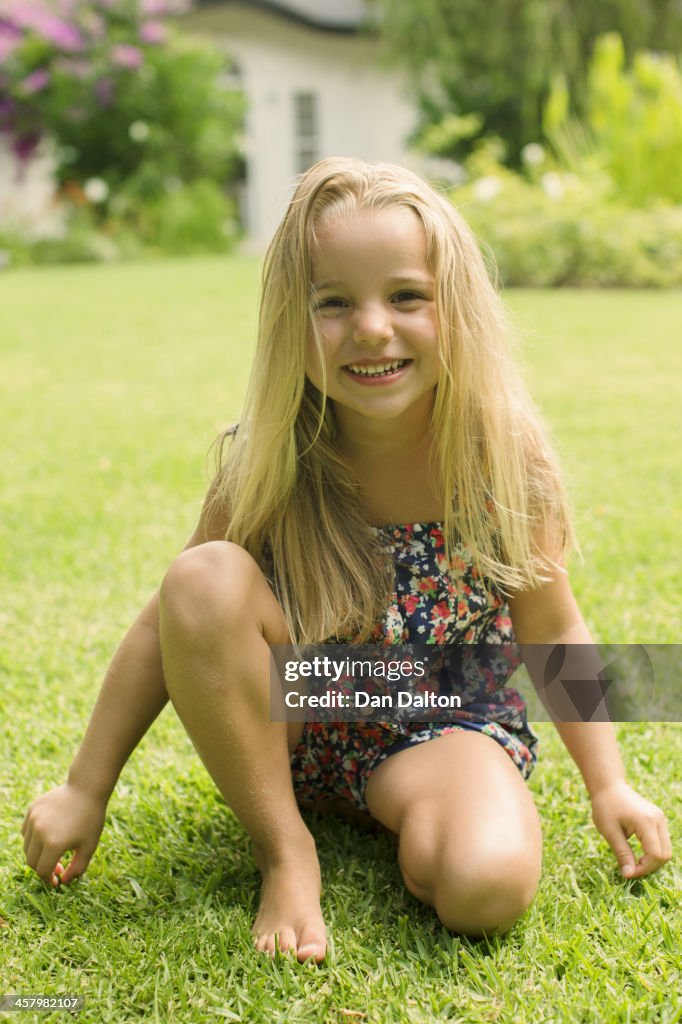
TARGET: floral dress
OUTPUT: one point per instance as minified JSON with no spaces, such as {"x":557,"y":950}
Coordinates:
{"x":431,"y":606}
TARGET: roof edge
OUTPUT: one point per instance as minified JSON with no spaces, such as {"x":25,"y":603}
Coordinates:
{"x":298,"y":17}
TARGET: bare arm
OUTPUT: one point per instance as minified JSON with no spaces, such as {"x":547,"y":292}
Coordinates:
{"x":132,"y":696}
{"x":71,"y":817}
{"x":550,"y":615}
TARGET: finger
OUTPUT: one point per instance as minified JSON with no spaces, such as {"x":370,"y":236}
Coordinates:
{"x":651,"y":842}
{"x":664,"y":837}
{"x":646,"y":865}
{"x":77,"y":866}
{"x":617,"y":840}
{"x":49,"y":858}
{"x":656,"y":855}
{"x":651,"y":858}
{"x":28,"y":839}
{"x":33,"y":849}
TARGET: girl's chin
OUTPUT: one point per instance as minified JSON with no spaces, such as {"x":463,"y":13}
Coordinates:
{"x":416,"y":414}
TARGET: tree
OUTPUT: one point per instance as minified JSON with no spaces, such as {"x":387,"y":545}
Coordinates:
{"x":498,"y":59}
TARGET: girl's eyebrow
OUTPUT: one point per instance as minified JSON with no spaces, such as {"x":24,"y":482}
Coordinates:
{"x":325,"y":284}
{"x":396,"y":279}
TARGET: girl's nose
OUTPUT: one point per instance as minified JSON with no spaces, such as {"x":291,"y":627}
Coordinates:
{"x":372,"y":327}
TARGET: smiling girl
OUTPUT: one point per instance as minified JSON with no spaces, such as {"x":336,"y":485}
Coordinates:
{"x":389,"y":481}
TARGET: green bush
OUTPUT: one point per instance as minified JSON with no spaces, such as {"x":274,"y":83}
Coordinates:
{"x":192,"y":218}
{"x":563,"y":231}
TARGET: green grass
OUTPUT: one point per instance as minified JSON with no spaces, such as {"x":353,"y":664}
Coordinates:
{"x":113,"y":383}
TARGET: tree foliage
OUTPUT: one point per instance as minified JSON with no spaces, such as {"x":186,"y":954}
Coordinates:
{"x":498,"y":59}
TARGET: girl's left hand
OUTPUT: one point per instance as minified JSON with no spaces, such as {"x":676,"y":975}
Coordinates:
{"x":619,"y":812}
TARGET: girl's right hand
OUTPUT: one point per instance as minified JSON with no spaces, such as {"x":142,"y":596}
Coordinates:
{"x":66,"y":818}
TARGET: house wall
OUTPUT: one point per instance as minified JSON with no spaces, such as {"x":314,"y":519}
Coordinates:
{"x":27,"y":193}
{"x":363,"y":111}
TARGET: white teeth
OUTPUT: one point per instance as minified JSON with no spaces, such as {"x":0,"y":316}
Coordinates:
{"x":377,"y":370}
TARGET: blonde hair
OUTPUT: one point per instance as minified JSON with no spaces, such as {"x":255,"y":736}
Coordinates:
{"x":294,"y":503}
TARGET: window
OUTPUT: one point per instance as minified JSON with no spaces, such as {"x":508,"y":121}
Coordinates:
{"x":306,"y":130}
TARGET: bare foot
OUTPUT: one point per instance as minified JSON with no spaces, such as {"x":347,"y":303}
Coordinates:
{"x":289,"y":916}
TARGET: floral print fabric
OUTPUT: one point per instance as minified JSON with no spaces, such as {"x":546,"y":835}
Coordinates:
{"x":430,"y":605}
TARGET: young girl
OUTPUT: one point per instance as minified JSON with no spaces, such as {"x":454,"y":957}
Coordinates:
{"x":388,"y":481}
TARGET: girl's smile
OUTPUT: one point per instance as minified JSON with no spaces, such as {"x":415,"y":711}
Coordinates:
{"x":374,"y":310}
{"x":378,"y":371}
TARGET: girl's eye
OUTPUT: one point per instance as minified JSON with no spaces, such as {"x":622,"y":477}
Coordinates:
{"x":330,"y":303}
{"x":407,"y":296}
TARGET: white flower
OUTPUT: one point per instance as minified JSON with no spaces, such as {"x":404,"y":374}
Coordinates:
{"x":139,"y":131}
{"x":552,"y":185}
{"x":96,"y":190}
{"x":533,"y":154}
{"x":487,"y":188}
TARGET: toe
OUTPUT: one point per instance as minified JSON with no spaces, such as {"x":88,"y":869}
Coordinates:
{"x":312,"y":944}
{"x":272,"y":943}
{"x":286,"y":940}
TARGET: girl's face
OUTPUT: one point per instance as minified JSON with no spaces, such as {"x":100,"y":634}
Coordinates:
{"x":374,"y":306}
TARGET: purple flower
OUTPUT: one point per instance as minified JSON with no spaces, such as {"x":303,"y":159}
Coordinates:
{"x":126,"y":56}
{"x":153,"y":32}
{"x":24,"y":146}
{"x":10,"y":38}
{"x":65,"y":36}
{"x":35,"y":82}
{"x":38,"y":18}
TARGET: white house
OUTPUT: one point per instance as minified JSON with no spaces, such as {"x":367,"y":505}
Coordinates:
{"x":315,"y":87}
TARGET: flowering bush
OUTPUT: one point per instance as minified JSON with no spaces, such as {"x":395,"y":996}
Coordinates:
{"x":136,"y":113}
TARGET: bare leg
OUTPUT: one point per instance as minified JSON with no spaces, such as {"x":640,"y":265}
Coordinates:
{"x":218,"y":615}
{"x":469,"y":836}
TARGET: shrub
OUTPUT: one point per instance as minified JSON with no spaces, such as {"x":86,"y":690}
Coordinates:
{"x":633,"y":127}
{"x":564,"y":231}
{"x":141,"y":117}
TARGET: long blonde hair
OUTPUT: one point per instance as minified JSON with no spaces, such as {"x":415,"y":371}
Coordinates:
{"x":294,"y":503}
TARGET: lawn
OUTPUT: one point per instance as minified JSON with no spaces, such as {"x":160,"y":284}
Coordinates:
{"x":114,"y":382}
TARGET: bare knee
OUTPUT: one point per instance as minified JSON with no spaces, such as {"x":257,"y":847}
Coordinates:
{"x":208,"y":585}
{"x":476,"y":886}
{"x":489,"y":895}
